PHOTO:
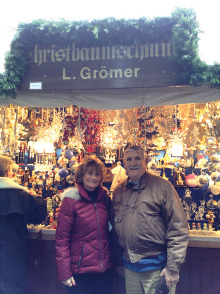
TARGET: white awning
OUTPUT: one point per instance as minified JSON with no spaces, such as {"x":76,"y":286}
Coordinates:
{"x":110,"y":99}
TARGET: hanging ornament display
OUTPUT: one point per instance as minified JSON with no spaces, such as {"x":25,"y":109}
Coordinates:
{"x":70,"y":124}
{"x":90,"y":126}
{"x":116,"y":131}
{"x":147,"y":129}
{"x":103,"y":132}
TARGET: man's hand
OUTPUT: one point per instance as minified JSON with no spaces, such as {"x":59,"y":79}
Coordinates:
{"x":171,"y":277}
{"x":69,"y":282}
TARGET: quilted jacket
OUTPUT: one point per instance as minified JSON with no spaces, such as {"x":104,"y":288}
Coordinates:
{"x":82,"y":236}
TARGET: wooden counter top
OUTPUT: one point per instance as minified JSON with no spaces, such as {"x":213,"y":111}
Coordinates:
{"x":204,"y":239}
{"x":207,"y":240}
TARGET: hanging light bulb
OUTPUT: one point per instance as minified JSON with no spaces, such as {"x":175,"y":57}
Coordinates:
{"x":177,"y":150}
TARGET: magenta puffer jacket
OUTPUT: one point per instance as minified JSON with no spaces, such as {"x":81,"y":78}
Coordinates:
{"x":82,"y":236}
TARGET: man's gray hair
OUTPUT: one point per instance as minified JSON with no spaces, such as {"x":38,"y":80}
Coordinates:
{"x":5,"y":164}
{"x":136,"y":148}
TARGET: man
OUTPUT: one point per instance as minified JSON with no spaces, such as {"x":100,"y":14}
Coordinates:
{"x":17,"y":208}
{"x":150,"y":226}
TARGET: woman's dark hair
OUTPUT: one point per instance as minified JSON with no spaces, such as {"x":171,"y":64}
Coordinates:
{"x":89,"y":162}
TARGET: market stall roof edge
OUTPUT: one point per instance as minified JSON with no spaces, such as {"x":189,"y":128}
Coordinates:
{"x":111,"y":99}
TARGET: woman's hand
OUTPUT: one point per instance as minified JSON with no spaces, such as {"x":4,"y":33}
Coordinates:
{"x":69,"y":282}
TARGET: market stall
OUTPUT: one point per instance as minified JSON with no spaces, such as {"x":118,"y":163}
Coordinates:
{"x":78,"y":97}
{"x":181,"y":144}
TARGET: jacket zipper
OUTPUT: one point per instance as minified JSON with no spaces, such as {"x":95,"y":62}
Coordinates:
{"x":99,"y":236}
{"x":81,"y":257}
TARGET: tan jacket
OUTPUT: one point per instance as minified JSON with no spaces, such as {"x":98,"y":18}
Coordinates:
{"x":149,"y":220}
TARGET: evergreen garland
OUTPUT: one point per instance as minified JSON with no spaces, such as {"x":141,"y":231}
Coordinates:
{"x":182,"y":28}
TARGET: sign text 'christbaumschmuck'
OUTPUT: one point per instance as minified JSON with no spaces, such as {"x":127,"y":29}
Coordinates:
{"x":74,"y":67}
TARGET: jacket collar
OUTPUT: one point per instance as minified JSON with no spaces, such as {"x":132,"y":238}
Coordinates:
{"x":100,"y":190}
{"x":142,"y":184}
{"x":7,"y":183}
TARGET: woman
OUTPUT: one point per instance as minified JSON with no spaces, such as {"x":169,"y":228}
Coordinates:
{"x":83,"y":254}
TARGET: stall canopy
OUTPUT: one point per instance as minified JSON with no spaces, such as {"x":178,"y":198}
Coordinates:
{"x":116,"y":98}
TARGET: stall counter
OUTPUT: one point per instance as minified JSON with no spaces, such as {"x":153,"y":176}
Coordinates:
{"x":196,"y":239}
{"x":199,"y":273}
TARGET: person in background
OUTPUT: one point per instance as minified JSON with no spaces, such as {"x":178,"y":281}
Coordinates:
{"x":150,"y":228}
{"x":83,"y":253}
{"x":17,"y":208}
